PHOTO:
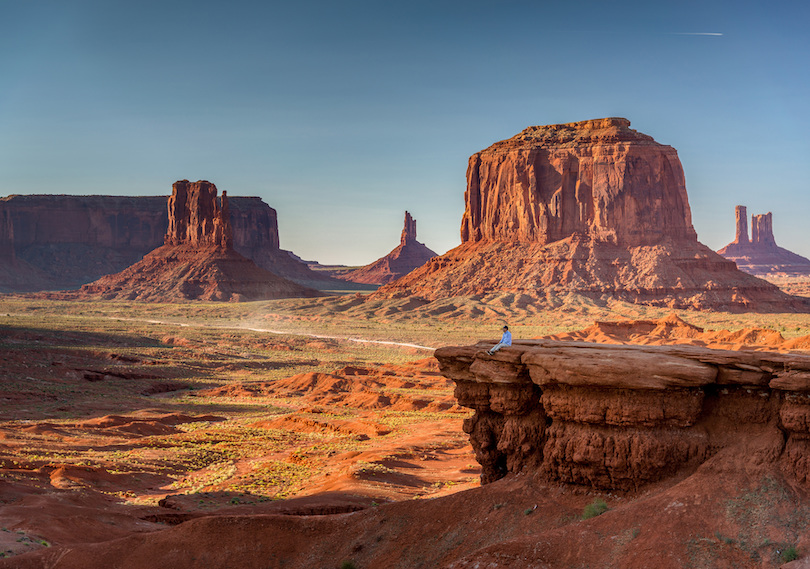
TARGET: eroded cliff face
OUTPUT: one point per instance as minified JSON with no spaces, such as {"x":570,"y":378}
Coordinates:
{"x":197,"y":217}
{"x":589,"y":209}
{"x":597,"y":178}
{"x":620,"y":417}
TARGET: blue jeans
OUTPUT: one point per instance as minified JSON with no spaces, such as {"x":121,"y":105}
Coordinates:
{"x":497,"y":347}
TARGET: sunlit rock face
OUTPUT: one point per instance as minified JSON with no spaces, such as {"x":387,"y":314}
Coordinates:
{"x":589,"y":209}
{"x":596,"y":178}
{"x":620,"y":417}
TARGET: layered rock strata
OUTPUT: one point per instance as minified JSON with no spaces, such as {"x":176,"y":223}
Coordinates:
{"x":197,"y":261}
{"x":73,"y":240}
{"x":619,"y":417}
{"x":760,"y":255}
{"x":593,"y":209}
{"x":407,"y":256}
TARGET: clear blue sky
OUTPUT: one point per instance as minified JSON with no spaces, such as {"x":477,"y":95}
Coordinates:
{"x":344,"y":114}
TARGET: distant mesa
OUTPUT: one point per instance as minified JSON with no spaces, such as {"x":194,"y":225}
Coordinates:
{"x":15,"y":272}
{"x":760,"y":255}
{"x":62,"y":242}
{"x":197,"y":261}
{"x":407,"y":256}
{"x":592,"y":209}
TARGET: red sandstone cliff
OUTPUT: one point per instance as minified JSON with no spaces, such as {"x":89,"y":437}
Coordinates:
{"x":407,"y":256}
{"x":198,"y":261}
{"x":597,"y":178}
{"x":591,"y":209}
{"x":619,"y":417}
{"x":760,"y":255}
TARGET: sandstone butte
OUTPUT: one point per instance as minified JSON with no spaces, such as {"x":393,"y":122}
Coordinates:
{"x":589,"y":208}
{"x":760,"y":255}
{"x":62,"y":241}
{"x":407,"y":256}
{"x":197,"y":261}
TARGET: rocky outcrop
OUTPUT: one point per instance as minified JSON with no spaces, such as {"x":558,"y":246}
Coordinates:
{"x":197,"y":217}
{"x":761,"y":255}
{"x":620,"y":417}
{"x":73,"y":240}
{"x":197,"y":261}
{"x":407,"y":256}
{"x":591,"y":209}
{"x":598,"y":178}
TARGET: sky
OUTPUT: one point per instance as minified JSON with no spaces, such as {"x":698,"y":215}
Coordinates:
{"x":342,"y":115}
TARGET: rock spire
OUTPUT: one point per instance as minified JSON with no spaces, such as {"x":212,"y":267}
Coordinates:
{"x":761,"y":255}
{"x":407,"y":256}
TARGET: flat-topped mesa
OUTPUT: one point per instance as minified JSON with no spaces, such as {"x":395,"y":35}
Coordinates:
{"x":596,"y":178}
{"x":619,"y":416}
{"x":196,"y":217}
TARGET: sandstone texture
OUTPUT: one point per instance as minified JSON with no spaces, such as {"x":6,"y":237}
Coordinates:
{"x":73,"y":240}
{"x":760,"y":255}
{"x":407,"y":256}
{"x":591,"y":209}
{"x":197,"y":261}
{"x":619,"y":417}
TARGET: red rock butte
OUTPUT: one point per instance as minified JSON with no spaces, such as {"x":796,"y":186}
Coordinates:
{"x":760,"y":255}
{"x":198,"y":261}
{"x":593,"y":209}
{"x":407,"y":256}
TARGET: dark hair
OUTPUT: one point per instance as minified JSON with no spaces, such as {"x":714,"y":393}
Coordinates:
{"x":505,"y":327}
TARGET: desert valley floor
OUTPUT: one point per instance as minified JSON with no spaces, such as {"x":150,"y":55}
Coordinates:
{"x":320,"y":433}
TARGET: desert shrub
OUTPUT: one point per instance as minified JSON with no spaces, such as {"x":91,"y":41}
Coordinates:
{"x":595,"y":508}
{"x":790,"y":554}
{"x":348,"y":565}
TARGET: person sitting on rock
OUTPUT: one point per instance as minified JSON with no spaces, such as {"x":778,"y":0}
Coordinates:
{"x":506,"y":340}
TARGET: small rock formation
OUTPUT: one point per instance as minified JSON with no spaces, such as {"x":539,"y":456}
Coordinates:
{"x":407,"y":256}
{"x":197,"y":218}
{"x":592,"y":209}
{"x":619,"y":417}
{"x":197,"y":261}
{"x":761,"y":255}
{"x":73,"y":240}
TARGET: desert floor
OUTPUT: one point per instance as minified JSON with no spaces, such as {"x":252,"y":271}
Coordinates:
{"x":123,"y":418}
